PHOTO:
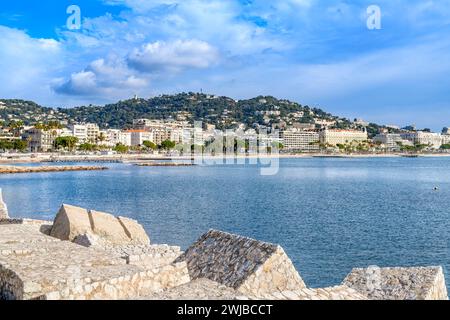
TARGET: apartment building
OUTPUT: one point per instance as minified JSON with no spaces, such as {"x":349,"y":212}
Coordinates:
{"x":338,"y":136}
{"x":300,"y":140}
{"x":139,"y":136}
{"x":80,"y":132}
{"x":40,"y":140}
{"x":93,"y":132}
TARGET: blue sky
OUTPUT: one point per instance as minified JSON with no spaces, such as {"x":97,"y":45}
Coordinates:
{"x":319,"y":53}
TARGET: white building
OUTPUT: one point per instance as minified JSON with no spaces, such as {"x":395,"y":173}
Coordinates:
{"x":80,"y":132}
{"x":338,"y":136}
{"x":93,"y":132}
{"x":299,"y":140}
{"x":392,"y":141}
{"x":40,"y":140}
{"x":446,"y":139}
{"x":434,"y":140}
{"x":125,"y":138}
{"x":139,"y":136}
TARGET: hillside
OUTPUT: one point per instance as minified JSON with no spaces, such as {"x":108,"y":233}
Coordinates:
{"x":27,"y":111}
{"x":223,"y":112}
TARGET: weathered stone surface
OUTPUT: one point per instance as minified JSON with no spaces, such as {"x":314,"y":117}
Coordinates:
{"x":418,"y":283}
{"x":97,"y":229}
{"x":3,"y":207}
{"x":147,"y":256}
{"x":71,"y":222}
{"x":36,"y":266}
{"x":249,"y":266}
{"x":134,"y":231}
{"x":200,"y":289}
{"x":108,"y":227}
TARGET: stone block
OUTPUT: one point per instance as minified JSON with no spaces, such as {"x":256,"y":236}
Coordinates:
{"x":134,"y":231}
{"x":70,"y":222}
{"x":416,"y":283}
{"x":108,"y":227}
{"x":249,"y":266}
{"x":96,"y":229}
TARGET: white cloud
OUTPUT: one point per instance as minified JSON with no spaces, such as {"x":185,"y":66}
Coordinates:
{"x":173,"y":56}
{"x":27,"y":64}
{"x":103,"y":77}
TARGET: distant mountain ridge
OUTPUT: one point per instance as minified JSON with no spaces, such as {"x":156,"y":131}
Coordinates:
{"x":224,"y":112}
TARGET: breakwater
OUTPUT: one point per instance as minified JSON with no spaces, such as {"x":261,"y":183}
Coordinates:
{"x":17,"y":169}
{"x":164,"y":164}
{"x":85,"y":254}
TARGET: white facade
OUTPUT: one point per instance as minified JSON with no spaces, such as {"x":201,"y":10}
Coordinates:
{"x":338,"y":136}
{"x":139,"y":136}
{"x":93,"y":131}
{"x":392,"y":141}
{"x":434,"y":140}
{"x":307,"y":141}
{"x":80,"y":132}
{"x":446,"y":139}
{"x":125,"y":138}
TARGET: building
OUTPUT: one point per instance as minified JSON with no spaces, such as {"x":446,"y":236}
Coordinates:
{"x":125,"y":138}
{"x":80,"y":132}
{"x":93,"y":132}
{"x":299,"y":140}
{"x":434,"y":140}
{"x":40,"y":140}
{"x":162,"y":131}
{"x":446,"y":139}
{"x":139,"y":136}
{"x":338,"y":136}
{"x":392,"y":141}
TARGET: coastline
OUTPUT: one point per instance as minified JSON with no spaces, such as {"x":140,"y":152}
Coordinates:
{"x":29,"y":158}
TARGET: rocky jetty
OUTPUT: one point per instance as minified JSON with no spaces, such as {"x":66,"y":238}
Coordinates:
{"x":17,"y":169}
{"x":87,"y":255}
{"x":164,"y":164}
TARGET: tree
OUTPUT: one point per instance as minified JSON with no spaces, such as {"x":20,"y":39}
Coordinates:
{"x":6,"y":145}
{"x":278,"y":145}
{"x":20,"y":145}
{"x":66,"y":143}
{"x":150,"y":145}
{"x":168,"y":145}
{"x":87,"y":147}
{"x":121,"y":148}
{"x":101,"y":137}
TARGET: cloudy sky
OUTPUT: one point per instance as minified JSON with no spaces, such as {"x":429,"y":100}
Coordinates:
{"x":315,"y":52}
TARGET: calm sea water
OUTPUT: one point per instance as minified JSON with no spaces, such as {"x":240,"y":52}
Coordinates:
{"x":329,"y":215}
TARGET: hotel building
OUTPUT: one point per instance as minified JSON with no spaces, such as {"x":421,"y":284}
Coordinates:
{"x":299,"y":140}
{"x":337,"y":136}
{"x":432,"y":139}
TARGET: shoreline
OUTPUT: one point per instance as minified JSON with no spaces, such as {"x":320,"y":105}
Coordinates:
{"x":24,"y":159}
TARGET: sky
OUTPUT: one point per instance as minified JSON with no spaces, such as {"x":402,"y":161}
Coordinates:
{"x":317,"y":53}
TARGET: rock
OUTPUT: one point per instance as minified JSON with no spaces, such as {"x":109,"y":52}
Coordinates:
{"x":96,"y":229}
{"x":71,"y":222}
{"x":416,"y":283}
{"x":134,"y":230}
{"x":246,"y":265}
{"x":109,"y":228}
{"x":3,"y":208}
